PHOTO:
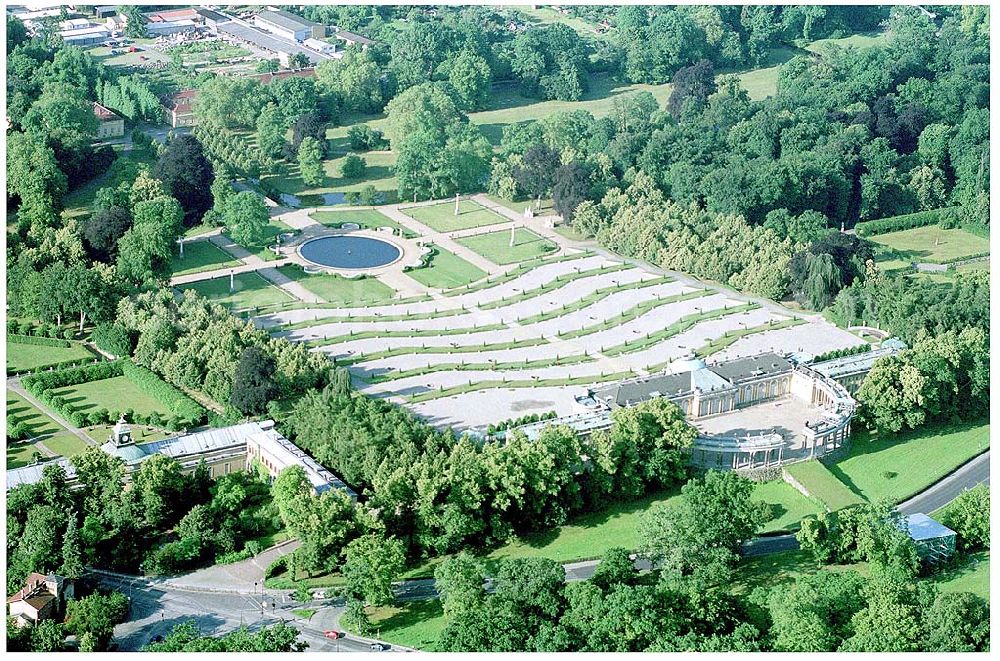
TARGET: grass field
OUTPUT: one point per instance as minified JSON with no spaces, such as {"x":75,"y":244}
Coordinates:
{"x":591,"y":535}
{"x":823,"y":485}
{"x":416,"y":624}
{"x":336,"y":289}
{"x":495,"y":246}
{"x":21,"y":357}
{"x":201,"y":256}
{"x":114,"y":394}
{"x":900,"y":466}
{"x":43,"y":428}
{"x":928,"y":244}
{"x":367,"y":218}
{"x":971,"y":574}
{"x":865,"y":40}
{"x":446,"y":270}
{"x":379,"y":172}
{"x":251,"y":290}
{"x":442,"y":218}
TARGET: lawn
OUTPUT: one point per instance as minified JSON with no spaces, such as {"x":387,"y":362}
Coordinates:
{"x":140,"y":433}
{"x":337,"y":289}
{"x":43,"y":428}
{"x":928,"y":244}
{"x":442,"y":218}
{"x":971,"y":574}
{"x":416,"y":624}
{"x":22,"y":357}
{"x":114,"y":394}
{"x":865,"y":40}
{"x":251,"y":290}
{"x":445,"y":271}
{"x":367,"y":218}
{"x":495,"y":246}
{"x":817,"y":479}
{"x":379,"y":172}
{"x":201,"y":256}
{"x":904,"y":464}
{"x":591,"y":535}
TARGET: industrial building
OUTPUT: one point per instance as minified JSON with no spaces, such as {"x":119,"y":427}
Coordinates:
{"x":289,"y":26}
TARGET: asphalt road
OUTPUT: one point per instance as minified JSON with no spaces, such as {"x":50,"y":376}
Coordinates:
{"x":155,"y":611}
{"x":943,"y":492}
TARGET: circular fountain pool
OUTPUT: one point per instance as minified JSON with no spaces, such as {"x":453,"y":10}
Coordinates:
{"x":350,"y":252}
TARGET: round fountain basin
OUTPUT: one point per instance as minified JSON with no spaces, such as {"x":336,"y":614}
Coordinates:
{"x":350,"y":252}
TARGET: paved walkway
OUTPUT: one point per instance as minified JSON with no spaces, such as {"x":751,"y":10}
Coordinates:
{"x":243,"y":577}
{"x":441,"y":239}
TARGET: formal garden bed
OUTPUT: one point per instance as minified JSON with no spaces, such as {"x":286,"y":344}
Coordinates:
{"x":496,"y":246}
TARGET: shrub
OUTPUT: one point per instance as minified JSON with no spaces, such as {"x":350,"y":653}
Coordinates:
{"x":114,"y":339}
{"x":17,"y":430}
{"x":364,"y":138}
{"x":969,"y":516}
{"x":899,"y":223}
{"x":353,"y":167}
{"x":26,"y":328}
{"x":39,"y":341}
{"x":840,"y":353}
{"x":53,"y":331}
{"x":277,"y":567}
{"x":234,"y":556}
{"x":69,"y":334}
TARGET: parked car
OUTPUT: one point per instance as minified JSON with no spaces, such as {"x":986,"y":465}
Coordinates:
{"x":378,"y":647}
{"x":132,"y":49}
{"x":334,"y":635}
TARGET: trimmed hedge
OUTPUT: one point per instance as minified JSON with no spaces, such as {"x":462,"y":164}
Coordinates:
{"x":840,"y":353}
{"x":976,"y":229}
{"x":184,"y":411}
{"x":39,"y":341}
{"x":904,"y":222}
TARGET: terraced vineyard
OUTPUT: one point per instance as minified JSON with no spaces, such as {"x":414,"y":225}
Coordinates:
{"x":534,"y":337}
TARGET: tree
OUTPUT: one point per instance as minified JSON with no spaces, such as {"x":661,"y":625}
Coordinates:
{"x":104,"y":228}
{"x":700,"y":537}
{"x":691,"y":88}
{"x":537,"y":171}
{"x":353,"y":167}
{"x":371,"y":565}
{"x":270,"y":132}
{"x":469,"y":74}
{"x":459,"y":583}
{"x":135,"y":24}
{"x":253,"y":383}
{"x":187,"y":175}
{"x":969,"y":516}
{"x":161,"y":489}
{"x":48,"y":636}
{"x":814,"y":613}
{"x":427,"y":107}
{"x":308,"y":125}
{"x":72,"y":554}
{"x":96,"y":615}
{"x":186,"y":637}
{"x":17,"y":34}
{"x":298,"y":61}
{"x":311,"y":161}
{"x":356,"y":80}
{"x":615,"y":568}
{"x":957,"y":622}
{"x":295,"y":96}
{"x":570,"y":187}
{"x":247,"y":218}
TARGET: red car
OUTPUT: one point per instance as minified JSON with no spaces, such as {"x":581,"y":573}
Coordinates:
{"x":333,"y":634}
{"x":132,"y":49}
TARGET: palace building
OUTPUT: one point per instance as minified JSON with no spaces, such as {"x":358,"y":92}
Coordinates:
{"x":753,"y":412}
{"x":225,"y":450}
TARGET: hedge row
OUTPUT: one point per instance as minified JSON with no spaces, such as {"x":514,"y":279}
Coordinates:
{"x":904,"y":222}
{"x":840,"y":353}
{"x":184,"y":412}
{"x":28,"y":328}
{"x":510,"y":423}
{"x":36,"y":340}
{"x":977,"y":229}
{"x":187,"y":411}
{"x":60,"y":366}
